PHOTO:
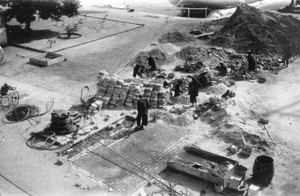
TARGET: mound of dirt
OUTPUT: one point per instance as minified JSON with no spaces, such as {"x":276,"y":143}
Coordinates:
{"x":185,"y":119}
{"x":262,"y":32}
{"x":176,"y":37}
{"x":160,"y":57}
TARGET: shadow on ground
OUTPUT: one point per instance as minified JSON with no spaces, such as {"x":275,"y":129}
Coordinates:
{"x":20,"y":35}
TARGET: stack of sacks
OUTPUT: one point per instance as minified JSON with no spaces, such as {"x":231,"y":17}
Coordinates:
{"x":111,"y":86}
{"x":101,"y":84}
{"x":153,"y":99}
{"x":117,"y":92}
{"x":104,"y":91}
{"x":114,"y":90}
{"x":123,"y":94}
{"x":130,"y":95}
{"x":147,"y":93}
{"x":134,"y":89}
{"x":163,"y":96}
{"x":157,"y":87}
{"x":137,"y":93}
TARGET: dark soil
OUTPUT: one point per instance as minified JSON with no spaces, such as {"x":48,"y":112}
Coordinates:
{"x":262,"y":32}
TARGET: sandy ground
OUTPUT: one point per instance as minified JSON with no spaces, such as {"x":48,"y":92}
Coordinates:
{"x":34,"y":172}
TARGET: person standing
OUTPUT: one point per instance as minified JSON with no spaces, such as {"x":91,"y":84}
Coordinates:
{"x":287,"y":55}
{"x":251,"y":61}
{"x":142,"y":108}
{"x":178,"y":88}
{"x":193,"y":92}
{"x":152,"y":64}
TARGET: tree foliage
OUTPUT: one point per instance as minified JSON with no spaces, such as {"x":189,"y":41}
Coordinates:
{"x":25,"y":10}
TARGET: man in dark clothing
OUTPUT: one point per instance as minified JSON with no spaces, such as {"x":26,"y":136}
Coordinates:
{"x":251,"y":61}
{"x":193,"y":91}
{"x":287,"y":55}
{"x":138,"y":70}
{"x":178,"y":88}
{"x":4,"y":89}
{"x":204,"y":79}
{"x":142,"y":108}
{"x":151,"y":63}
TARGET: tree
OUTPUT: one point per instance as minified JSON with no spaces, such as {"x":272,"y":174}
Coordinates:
{"x":25,"y":11}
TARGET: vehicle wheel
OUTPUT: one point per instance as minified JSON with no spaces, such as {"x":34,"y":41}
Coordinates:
{"x":14,"y":98}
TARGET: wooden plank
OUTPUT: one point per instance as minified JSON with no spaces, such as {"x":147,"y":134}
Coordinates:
{"x":204,"y":34}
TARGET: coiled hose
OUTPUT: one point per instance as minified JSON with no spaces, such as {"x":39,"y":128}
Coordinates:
{"x":26,"y":112}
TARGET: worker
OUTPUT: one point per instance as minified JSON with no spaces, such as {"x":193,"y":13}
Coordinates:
{"x":251,"y":61}
{"x":178,"y":88}
{"x":204,"y":79}
{"x":222,"y":69}
{"x":4,"y":89}
{"x":193,"y":91}
{"x":142,"y":108}
{"x":138,"y":69}
{"x":287,"y":55}
{"x":152,"y":64}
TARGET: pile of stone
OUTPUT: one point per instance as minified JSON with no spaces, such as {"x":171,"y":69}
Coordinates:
{"x":114,"y":92}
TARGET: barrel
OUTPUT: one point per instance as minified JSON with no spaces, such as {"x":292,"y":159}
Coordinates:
{"x":263,"y":170}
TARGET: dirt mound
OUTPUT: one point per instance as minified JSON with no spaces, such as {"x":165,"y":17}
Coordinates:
{"x":176,"y":37}
{"x":159,"y":56}
{"x":262,"y":32}
{"x":184,"y":119}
